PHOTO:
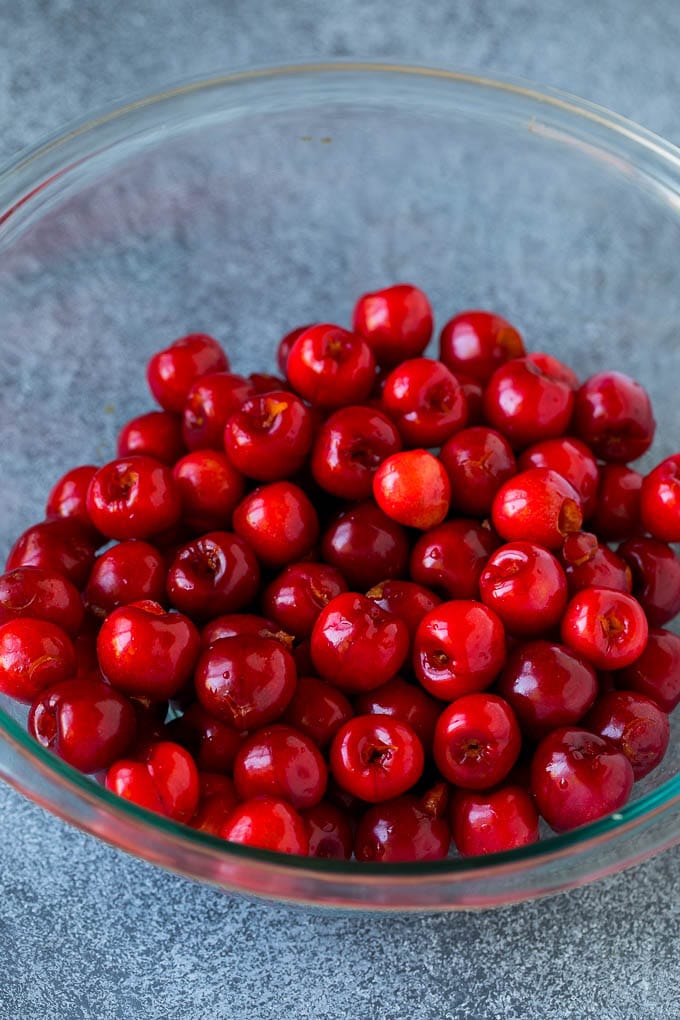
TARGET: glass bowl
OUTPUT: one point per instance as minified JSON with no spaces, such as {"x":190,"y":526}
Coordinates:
{"x":248,"y":203}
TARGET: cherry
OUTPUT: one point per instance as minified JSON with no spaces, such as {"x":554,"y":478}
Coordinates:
{"x":263,"y":382}
{"x":401,"y":830}
{"x":477,"y":343}
{"x":209,"y":404}
{"x":573,"y":460}
{"x":547,"y":685}
{"x":474,"y":398}
{"x":526,"y":404}
{"x":133,"y":497}
{"x":606,"y":627}
{"x":329,"y":830}
{"x":157,"y":434}
{"x":317,"y":710}
{"x":210,"y":489}
{"x":285,"y":344}
{"x":239,"y":624}
{"x":613,"y":415}
{"x":425,"y":401}
{"x":268,"y":823}
{"x":366,"y":546}
{"x":279,"y":522}
{"x":450,"y":558}
{"x":143,"y":650}
{"x":538,"y":505}
{"x":127,"y":572}
{"x":330,"y":367}
{"x":656,"y":673}
{"x":270,"y":436}
{"x":164,"y":780}
{"x":42,"y":595}
{"x":409,"y":601}
{"x":245,"y":681}
{"x":656,"y":577}
{"x":356,"y":645}
{"x":660,"y":500}
{"x":413,"y":488}
{"x":84,"y":722}
{"x":171,"y":372}
{"x":396,"y":322}
{"x":459,"y":648}
{"x":577,"y":777}
{"x":280,"y":762}
{"x":349,"y":447}
{"x":68,"y":496}
{"x":526,"y":586}
{"x":376,"y":757}
{"x":617,"y":510}
{"x":217,"y":573}
{"x":477,"y":461}
{"x":477,"y":741}
{"x":212,"y":743}
{"x":588,"y":564}
{"x":553,"y":367}
{"x":296,"y":597}
{"x":34,"y":655}
{"x":404,"y":701}
{"x":216,"y":802}
{"x":63,"y":546}
{"x":493,"y":821}
{"x":634,"y":725}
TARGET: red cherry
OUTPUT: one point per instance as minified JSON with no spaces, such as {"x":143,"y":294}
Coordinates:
{"x":279,"y":522}
{"x":634,"y":725}
{"x":349,"y":447}
{"x":209,"y":403}
{"x":366,"y":546}
{"x":450,"y":558}
{"x":209,"y":489}
{"x":317,"y":710}
{"x":68,"y":496}
{"x":330,"y":367}
{"x":573,"y":460}
{"x":656,"y":577}
{"x":493,"y":821}
{"x":396,"y":322}
{"x":660,"y":500}
{"x":551,"y":366}
{"x":34,"y":655}
{"x":459,"y":648}
{"x":296,"y":597}
{"x":329,"y":830}
{"x":375,"y":757}
{"x":127,"y":572}
{"x":171,"y":372}
{"x":477,"y":342}
{"x":84,"y":722}
{"x":538,"y":505}
{"x":165,"y":781}
{"x":270,"y":436}
{"x":217,"y":573}
{"x":134,"y":497}
{"x":425,"y":401}
{"x":285,"y":344}
{"x":409,"y":601}
{"x":42,"y":595}
{"x":213,"y":744}
{"x":617,"y":510}
{"x":263,"y":382}
{"x":239,"y":624}
{"x":268,"y":823}
{"x":577,"y":777}
{"x":157,"y":434}
{"x":280,"y":762}
{"x":477,"y":461}
{"x":62,"y":546}
{"x":606,"y":627}
{"x":401,"y":830}
{"x":404,"y":701}
{"x":527,"y":405}
{"x":613,"y":415}
{"x":476,"y":741}
{"x":526,"y":586}
{"x":216,"y":802}
{"x":656,"y":673}
{"x":588,"y":564}
{"x":413,"y":488}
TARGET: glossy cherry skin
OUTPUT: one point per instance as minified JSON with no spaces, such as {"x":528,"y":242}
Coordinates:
{"x":606,"y":627}
{"x":165,"y":780}
{"x":366,"y":546}
{"x":613,"y":415}
{"x":477,"y":741}
{"x":143,"y":650}
{"x":268,"y":823}
{"x":526,"y":405}
{"x":493,"y":821}
{"x":245,"y":681}
{"x":656,"y":673}
{"x":212,"y":743}
{"x":425,"y":401}
{"x":68,"y":496}
{"x":279,"y":523}
{"x":617,"y":510}
{"x":157,"y":434}
{"x":396,"y":322}
{"x":413,"y":488}
{"x":401,"y":830}
{"x":217,"y":573}
{"x":577,"y":777}
{"x":42,"y":595}
{"x":318,"y":710}
{"x":171,"y":372}
{"x":477,"y":343}
{"x":84,"y":722}
{"x":555,"y":368}
{"x":356,"y":645}
{"x":279,"y":761}
{"x":330,"y":831}
{"x":331,"y":367}
{"x":477,"y":461}
{"x":63,"y":546}
{"x":348,"y":449}
{"x":296,"y":597}
{"x":547,"y":685}
{"x":238,"y":624}
{"x":450,"y":558}
{"x":660,"y":500}
{"x":376,"y":757}
{"x":209,"y":404}
{"x":285,"y":344}
{"x":538,"y":505}
{"x":127,"y":572}
{"x":404,"y":701}
{"x":588,"y":564}
{"x":573,"y":460}
{"x":270,"y":436}
{"x":210,"y":489}
{"x":459,"y":648}
{"x":656,"y":577}
{"x":526,"y":586}
{"x":634,"y":725}
{"x":34,"y":655}
{"x":216,"y":802}
{"x":133,"y":497}
{"x":405,"y":599}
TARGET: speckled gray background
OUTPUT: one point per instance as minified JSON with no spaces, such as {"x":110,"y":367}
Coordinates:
{"x":87,"y":932}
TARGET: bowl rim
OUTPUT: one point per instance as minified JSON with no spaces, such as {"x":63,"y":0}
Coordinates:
{"x":14,"y":193}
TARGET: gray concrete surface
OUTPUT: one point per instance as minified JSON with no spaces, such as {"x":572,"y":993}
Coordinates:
{"x":86,"y":931}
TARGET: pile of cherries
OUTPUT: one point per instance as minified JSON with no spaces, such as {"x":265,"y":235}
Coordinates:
{"x":372,"y":608}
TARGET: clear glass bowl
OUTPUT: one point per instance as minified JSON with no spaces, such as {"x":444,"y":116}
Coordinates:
{"x":251,"y":202}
